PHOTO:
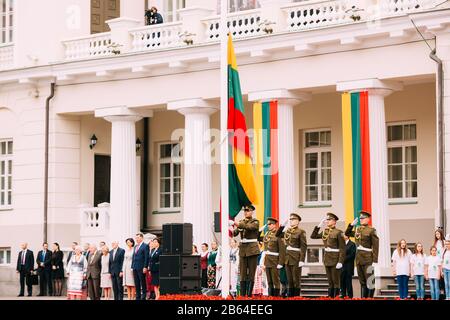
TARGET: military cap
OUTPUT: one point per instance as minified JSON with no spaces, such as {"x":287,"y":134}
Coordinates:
{"x":364,"y":214}
{"x":249,"y":208}
{"x":272,"y":220}
{"x":332,"y":216}
{"x":296,"y":216}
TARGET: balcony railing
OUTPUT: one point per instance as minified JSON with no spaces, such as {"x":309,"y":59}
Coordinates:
{"x":158,"y":36}
{"x":6,"y":56}
{"x":95,"y":221}
{"x":395,"y":7}
{"x":96,"y":45}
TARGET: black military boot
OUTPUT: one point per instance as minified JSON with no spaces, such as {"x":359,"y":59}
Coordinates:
{"x":336,"y":292}
{"x":297,"y":292}
{"x":269,"y":291}
{"x":275,"y":292}
{"x":243,"y":288}
{"x":330,"y":292}
{"x":365,"y":292}
{"x":250,"y":288}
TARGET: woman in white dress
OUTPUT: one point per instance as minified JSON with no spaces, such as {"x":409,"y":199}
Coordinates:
{"x":127,"y":272}
{"x":76,"y":270}
{"x":105,"y":278}
{"x":234,"y":266}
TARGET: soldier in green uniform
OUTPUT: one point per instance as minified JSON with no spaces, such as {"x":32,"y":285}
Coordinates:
{"x":367,"y":242}
{"x":248,"y":229}
{"x":274,"y":258}
{"x":333,"y":240}
{"x":295,"y":253}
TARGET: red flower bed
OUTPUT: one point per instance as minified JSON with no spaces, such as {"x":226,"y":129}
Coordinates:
{"x":265,"y":298}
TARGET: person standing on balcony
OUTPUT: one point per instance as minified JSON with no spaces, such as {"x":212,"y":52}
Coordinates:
{"x":93,"y":272}
{"x":25,"y":264}
{"x":433,"y":272}
{"x":152,"y":16}
{"x":401,"y":267}
{"x":248,"y":229}
{"x":295,"y":246}
{"x":139,"y":265}
{"x":116,"y":259}
{"x":274,"y":259}
{"x":57,"y":269}
{"x":446,"y":267}
{"x":334,"y":243}
{"x":418,"y":270}
{"x":44,"y":262}
{"x":367,"y":243}
{"x":127,"y":272}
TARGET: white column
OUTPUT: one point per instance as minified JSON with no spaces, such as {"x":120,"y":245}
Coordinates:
{"x":378,"y":90}
{"x":286,"y":165}
{"x":123,"y":220}
{"x":197,"y":194}
{"x":134,"y":9}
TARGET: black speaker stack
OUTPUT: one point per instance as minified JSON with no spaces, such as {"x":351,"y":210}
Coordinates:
{"x":180,"y":271}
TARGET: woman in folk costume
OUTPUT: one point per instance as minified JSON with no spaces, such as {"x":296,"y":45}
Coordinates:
{"x":212,"y":267}
{"x":260,"y":287}
{"x":76,"y":270}
{"x":218,"y":266}
{"x":234,"y":267}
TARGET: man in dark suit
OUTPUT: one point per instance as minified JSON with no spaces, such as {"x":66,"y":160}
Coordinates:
{"x":43,"y":260}
{"x":139,"y":266}
{"x":71,"y":253}
{"x":25,"y":264}
{"x":116,"y":257}
{"x":86,"y":250}
{"x":93,"y":272}
{"x":348,"y":268}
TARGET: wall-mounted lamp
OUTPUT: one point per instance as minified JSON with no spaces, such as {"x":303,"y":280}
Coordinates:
{"x":93,"y":142}
{"x":138,"y":144}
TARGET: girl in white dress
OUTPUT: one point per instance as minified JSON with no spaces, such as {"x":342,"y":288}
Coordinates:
{"x":127,"y":272}
{"x":105,"y":278}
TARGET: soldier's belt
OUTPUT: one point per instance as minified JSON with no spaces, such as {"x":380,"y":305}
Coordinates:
{"x":331,"y":250}
{"x":293,"y":249}
{"x":364,"y":249}
{"x":249,"y":240}
{"x":270,"y":253}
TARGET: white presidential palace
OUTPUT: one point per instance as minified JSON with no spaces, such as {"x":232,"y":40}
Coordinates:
{"x":92,"y":101}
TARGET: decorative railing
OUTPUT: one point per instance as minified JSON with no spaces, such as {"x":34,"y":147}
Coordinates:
{"x":316,"y":14}
{"x":395,"y":7}
{"x":6,"y":56}
{"x":95,"y":221}
{"x":241,"y":25}
{"x":96,"y":45}
{"x":166,"y":35}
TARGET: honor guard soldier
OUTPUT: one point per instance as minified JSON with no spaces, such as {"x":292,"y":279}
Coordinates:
{"x":274,"y":259}
{"x":295,"y":253}
{"x":333,"y":240}
{"x":367,"y":242}
{"x":248,"y":229}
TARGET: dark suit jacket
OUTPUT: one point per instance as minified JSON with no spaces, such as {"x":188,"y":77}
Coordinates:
{"x":47,"y":260}
{"x":350,"y":252}
{"x":140,"y":258}
{"x":116,"y":263}
{"x":29,"y":262}
{"x":153,"y":264}
{"x":69,"y":256}
{"x":94,"y":267}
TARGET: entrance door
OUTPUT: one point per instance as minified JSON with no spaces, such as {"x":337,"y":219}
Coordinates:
{"x":102,"y":179}
{"x":101,"y":11}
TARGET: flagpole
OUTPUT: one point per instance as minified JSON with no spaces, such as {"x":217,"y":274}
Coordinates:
{"x":224,"y":148}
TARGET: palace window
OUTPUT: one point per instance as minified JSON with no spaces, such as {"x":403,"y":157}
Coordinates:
{"x":7,"y":21}
{"x":169,"y":173}
{"x":170,"y":10}
{"x":402,"y":161}
{"x":317,"y":166}
{"x":5,"y":256}
{"x":6,"y":154}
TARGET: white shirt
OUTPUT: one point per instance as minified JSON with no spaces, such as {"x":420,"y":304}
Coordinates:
{"x":440,"y":248}
{"x":446,"y":260}
{"x":418,"y":264}
{"x":402,"y":264}
{"x":433,"y":263}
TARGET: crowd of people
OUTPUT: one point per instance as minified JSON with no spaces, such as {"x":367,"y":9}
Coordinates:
{"x":266,"y":260}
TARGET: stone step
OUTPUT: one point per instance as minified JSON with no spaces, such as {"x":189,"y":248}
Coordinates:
{"x":395,"y":292}
{"x":410,"y":285}
{"x":314,"y":285}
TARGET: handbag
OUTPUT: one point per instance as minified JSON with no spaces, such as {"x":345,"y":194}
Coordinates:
{"x":34,"y":278}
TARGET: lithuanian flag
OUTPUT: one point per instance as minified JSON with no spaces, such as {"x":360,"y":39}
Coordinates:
{"x":241,"y":178}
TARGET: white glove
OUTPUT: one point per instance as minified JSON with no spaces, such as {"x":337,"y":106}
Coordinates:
{"x":323,"y":223}
{"x":285,"y":223}
{"x":355,"y":222}
{"x":279,"y":267}
{"x":231,"y":223}
{"x":301,"y":264}
{"x":339,"y":266}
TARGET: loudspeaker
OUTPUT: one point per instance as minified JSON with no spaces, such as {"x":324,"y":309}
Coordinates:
{"x":177,"y":238}
{"x":217,"y":222}
{"x":178,"y":285}
{"x":190,"y":267}
{"x":186,"y":267}
{"x":169,"y":266}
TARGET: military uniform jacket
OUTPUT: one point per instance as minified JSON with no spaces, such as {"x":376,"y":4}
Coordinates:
{"x":366,"y":237}
{"x":334,"y":239}
{"x":274,"y":244}
{"x":248,"y":229}
{"x":293,"y":237}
